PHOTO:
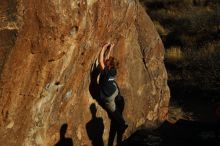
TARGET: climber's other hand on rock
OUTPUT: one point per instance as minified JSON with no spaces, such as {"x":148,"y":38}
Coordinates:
{"x":106,"y":46}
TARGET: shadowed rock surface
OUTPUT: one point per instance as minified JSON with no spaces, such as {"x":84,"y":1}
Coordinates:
{"x":46,"y":52}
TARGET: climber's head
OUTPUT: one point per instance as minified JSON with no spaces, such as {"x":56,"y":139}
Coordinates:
{"x":112,"y":64}
{"x":63,"y":130}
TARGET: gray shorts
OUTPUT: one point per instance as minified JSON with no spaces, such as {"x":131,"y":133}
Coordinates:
{"x":110,"y":101}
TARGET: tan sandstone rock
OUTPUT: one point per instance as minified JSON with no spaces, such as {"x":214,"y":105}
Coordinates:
{"x":47,"y":48}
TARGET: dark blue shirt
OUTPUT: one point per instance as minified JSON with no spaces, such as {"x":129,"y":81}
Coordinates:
{"x":106,"y":81}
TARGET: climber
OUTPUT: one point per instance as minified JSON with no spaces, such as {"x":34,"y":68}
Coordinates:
{"x":109,"y":90}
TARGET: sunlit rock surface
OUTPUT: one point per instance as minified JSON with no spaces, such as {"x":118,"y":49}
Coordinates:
{"x":46,"y":52}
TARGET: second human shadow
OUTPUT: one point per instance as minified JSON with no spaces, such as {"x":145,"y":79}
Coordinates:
{"x":95,"y":128}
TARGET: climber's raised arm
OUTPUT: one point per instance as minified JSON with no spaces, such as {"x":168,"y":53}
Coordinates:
{"x":101,"y":56}
{"x":109,"y":51}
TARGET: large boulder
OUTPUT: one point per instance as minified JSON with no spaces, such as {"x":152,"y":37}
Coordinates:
{"x":47,"y":48}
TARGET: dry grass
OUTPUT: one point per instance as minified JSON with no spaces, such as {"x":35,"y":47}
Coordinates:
{"x":190,"y":30}
{"x":176,"y":113}
{"x":174,"y":54}
{"x":189,"y":23}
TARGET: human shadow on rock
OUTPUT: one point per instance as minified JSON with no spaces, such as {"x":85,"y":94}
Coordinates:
{"x":63,"y":140}
{"x":95,"y":128}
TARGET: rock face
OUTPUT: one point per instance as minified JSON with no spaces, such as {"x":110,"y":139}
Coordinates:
{"x":47,"y":49}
